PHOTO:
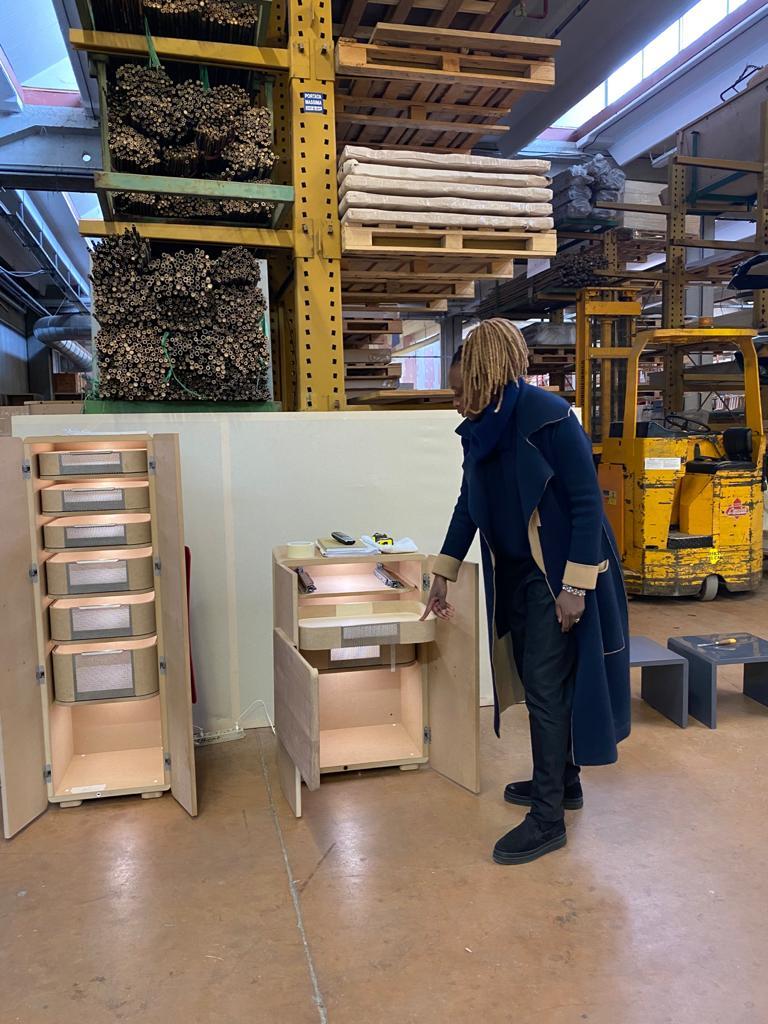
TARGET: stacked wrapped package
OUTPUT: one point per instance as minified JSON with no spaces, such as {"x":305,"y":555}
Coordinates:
{"x":443,"y":190}
{"x":578,"y":190}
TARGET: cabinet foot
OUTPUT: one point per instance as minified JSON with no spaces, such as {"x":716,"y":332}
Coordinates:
{"x":151,"y":796}
{"x":70,"y":803}
{"x":409,"y":767}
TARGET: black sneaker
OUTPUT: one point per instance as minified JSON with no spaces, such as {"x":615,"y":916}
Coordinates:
{"x":529,"y":841}
{"x":520,"y":793}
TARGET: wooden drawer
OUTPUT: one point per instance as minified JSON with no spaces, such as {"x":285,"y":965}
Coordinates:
{"x":100,"y":618}
{"x":132,"y":529}
{"x":98,"y":496}
{"x":322,"y":627}
{"x":105,"y":671}
{"x":106,"y":462}
{"x":99,"y":572}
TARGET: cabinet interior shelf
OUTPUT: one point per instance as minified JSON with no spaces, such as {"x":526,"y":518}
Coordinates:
{"x":368,"y":746}
{"x":355,"y":585}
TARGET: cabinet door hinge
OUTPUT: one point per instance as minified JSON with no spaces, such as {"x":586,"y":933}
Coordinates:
{"x":47,"y":773}
{"x":152,"y":466}
{"x":158,"y":567}
{"x":427,"y":734}
{"x":34,"y":573}
{"x":26,"y":469}
{"x":426,"y":581}
{"x":40,"y":675}
{"x":167,"y":761}
{"x":163,"y":664}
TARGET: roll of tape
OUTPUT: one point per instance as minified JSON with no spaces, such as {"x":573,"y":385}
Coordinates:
{"x":301,"y":548}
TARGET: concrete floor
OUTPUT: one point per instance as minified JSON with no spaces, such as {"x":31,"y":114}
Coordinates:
{"x":382,"y":904}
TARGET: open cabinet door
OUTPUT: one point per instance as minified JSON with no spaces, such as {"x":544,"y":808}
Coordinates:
{"x":22,"y":746}
{"x":297,"y":719}
{"x":174,"y":618}
{"x":454,"y":685}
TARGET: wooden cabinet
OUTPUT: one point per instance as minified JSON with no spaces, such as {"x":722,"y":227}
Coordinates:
{"x":95,"y":693}
{"x":361,"y":682}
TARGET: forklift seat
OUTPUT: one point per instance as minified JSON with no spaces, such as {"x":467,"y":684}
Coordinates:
{"x":737,"y":442}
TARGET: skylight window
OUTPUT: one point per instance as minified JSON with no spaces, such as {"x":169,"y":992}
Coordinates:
{"x":668,"y":44}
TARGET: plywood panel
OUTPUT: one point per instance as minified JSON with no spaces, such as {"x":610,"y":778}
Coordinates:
{"x":22,"y":748}
{"x":297,"y":713}
{"x":169,"y":533}
{"x":290,"y":780}
{"x":454,"y":673}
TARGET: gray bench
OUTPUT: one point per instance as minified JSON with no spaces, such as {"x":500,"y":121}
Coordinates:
{"x":663,"y":679}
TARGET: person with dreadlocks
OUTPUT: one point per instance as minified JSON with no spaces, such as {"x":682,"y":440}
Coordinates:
{"x":557,"y":610}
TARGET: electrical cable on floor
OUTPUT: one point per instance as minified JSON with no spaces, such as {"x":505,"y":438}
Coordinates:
{"x":236,"y":732}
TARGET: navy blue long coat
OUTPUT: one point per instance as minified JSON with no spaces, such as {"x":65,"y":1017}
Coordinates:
{"x":571,"y":541}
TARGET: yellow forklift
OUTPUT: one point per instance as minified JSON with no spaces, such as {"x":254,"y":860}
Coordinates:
{"x":685,"y":499}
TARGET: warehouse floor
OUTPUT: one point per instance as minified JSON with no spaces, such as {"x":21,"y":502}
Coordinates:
{"x":653,"y":914}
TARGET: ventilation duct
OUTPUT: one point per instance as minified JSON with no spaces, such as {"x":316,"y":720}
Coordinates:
{"x":63,"y":333}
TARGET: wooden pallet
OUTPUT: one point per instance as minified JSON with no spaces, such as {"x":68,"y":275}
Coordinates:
{"x":356,"y":269}
{"x":358,"y":18}
{"x":402,"y":399}
{"x":446,"y":66}
{"x":372,"y":325}
{"x":407,"y":308}
{"x":411,"y":241}
{"x":445,"y":92}
{"x":371,"y":355}
{"x":405,"y":290}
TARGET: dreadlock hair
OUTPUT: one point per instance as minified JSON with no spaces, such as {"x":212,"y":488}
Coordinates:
{"x":494,"y":353}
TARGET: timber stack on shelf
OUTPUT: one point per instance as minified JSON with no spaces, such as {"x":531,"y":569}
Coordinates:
{"x":96,"y":699}
{"x":423,"y":220}
{"x":199,"y":167}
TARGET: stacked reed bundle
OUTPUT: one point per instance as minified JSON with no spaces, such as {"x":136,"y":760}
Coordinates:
{"x":182,"y":129}
{"x":224,"y":21}
{"x":183,"y":325}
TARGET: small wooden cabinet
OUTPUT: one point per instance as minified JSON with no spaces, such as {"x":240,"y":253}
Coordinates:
{"x":361,"y":682}
{"x":95,"y":694}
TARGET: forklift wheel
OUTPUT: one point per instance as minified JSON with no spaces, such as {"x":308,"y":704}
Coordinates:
{"x":709,"y":588}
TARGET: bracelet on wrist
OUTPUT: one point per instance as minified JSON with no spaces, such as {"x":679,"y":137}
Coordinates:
{"x":576,"y":591}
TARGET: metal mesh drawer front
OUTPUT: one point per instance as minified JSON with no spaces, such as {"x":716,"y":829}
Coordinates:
{"x":107,"y":674}
{"x":83,"y":500}
{"x":361,"y":636}
{"x":105,"y":621}
{"x":92,"y":536}
{"x":93,"y":577}
{"x":90,"y":462}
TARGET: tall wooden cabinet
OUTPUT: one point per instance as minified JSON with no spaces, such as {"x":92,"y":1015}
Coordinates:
{"x":361,"y":682}
{"x":95,"y":694}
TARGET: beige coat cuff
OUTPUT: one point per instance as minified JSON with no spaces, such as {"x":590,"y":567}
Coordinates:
{"x":447,"y":567}
{"x":582,"y":576}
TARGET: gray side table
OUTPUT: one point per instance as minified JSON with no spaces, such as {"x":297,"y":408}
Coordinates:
{"x":663,"y":679}
{"x":703,"y":662}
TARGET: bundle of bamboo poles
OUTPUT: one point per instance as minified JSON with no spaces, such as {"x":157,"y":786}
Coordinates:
{"x":186,"y":130}
{"x":224,"y":21}
{"x":182,"y":325}
{"x":567,"y":274}
{"x":167,"y":207}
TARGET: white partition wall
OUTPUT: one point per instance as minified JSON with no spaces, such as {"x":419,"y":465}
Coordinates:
{"x":253,"y":481}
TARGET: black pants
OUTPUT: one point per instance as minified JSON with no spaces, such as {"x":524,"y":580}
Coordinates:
{"x":546,"y":661}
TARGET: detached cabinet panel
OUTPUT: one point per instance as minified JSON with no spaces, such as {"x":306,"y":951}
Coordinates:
{"x":22,"y":747}
{"x":361,"y":682}
{"x":96,"y":694}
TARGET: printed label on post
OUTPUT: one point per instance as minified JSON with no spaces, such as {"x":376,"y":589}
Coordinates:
{"x":657,"y":464}
{"x":313,"y":103}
